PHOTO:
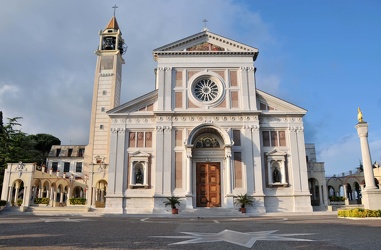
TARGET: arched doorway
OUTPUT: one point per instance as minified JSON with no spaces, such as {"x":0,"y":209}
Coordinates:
{"x":17,"y":195}
{"x":100,"y":193}
{"x":313,"y":185}
{"x":209,"y":161}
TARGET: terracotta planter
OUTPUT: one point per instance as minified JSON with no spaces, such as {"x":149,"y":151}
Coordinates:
{"x":175,"y":210}
{"x":243,"y":210}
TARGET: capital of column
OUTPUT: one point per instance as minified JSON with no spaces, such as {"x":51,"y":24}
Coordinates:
{"x":362,"y":129}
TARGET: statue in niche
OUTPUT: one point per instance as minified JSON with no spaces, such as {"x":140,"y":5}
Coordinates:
{"x":139,"y":177}
{"x":276,"y":175}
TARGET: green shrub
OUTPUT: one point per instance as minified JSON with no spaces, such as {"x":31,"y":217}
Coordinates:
{"x":41,"y":200}
{"x":359,"y":213}
{"x":77,"y":201}
{"x":3,"y":203}
{"x":336,"y":198}
{"x":19,"y":202}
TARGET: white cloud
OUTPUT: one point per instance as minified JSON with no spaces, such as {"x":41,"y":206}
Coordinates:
{"x":6,"y":89}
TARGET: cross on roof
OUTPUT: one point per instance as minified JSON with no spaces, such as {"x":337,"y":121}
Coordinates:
{"x":114,"y":7}
{"x":205,"y":21}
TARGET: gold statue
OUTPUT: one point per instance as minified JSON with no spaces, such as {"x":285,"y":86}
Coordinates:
{"x":359,"y":115}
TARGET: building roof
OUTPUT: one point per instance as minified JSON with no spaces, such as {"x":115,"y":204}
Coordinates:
{"x":113,"y":24}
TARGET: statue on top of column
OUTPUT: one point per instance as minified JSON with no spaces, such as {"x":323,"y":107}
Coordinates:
{"x":359,"y":115}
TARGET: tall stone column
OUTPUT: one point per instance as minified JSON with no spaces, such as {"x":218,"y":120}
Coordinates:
{"x":371,"y":196}
{"x":362,"y":131}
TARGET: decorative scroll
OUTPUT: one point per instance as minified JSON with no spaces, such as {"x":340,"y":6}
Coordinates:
{"x":207,"y":142}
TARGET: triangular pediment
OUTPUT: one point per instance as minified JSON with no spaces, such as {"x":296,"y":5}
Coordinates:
{"x":141,"y":105}
{"x":139,"y":154}
{"x":206,"y":41}
{"x":274,"y":105}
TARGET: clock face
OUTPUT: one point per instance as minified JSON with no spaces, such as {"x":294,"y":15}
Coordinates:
{"x":206,"y":90}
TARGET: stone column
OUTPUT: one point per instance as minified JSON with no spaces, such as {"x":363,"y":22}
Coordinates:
{"x":16,"y":194}
{"x":229,"y":195}
{"x":189,"y":171}
{"x":10,"y":194}
{"x":189,"y":196}
{"x":346,"y":195}
{"x":362,"y":131}
{"x":371,"y":196}
{"x":145,"y":173}
{"x":94,"y":190}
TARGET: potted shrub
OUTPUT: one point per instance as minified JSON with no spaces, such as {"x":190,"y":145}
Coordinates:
{"x":19,"y":202}
{"x":173,"y":201}
{"x":242,"y":200}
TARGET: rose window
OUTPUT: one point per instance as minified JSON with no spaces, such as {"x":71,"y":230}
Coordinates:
{"x":206,"y":90}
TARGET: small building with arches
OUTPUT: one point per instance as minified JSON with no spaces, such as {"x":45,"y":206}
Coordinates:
{"x":347,"y":187}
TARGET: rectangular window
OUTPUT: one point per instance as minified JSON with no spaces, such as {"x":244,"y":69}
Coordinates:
{"x":179,"y":169}
{"x":103,"y":109}
{"x":78,"y":167}
{"x":234,"y":99}
{"x":104,"y":92}
{"x":233,"y":78}
{"x":179,"y":78}
{"x":54,"y":166}
{"x":237,"y":137}
{"x":282,"y":138}
{"x":266,"y":138}
{"x":179,"y":137}
{"x":178,"y":100}
{"x":148,"y":139}
{"x":81,"y":152}
{"x":58,"y":152}
{"x":101,"y":126}
{"x":69,"y":152}
{"x":132,"y":140}
{"x":66,"y":167}
{"x":274,"y":138}
{"x":140,"y":139}
{"x":238,"y":169}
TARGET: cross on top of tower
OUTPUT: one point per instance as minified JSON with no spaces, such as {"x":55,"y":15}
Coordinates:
{"x":205,"y":21}
{"x":114,"y":7}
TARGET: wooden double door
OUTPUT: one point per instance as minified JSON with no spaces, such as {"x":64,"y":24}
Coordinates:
{"x":208,"y":184}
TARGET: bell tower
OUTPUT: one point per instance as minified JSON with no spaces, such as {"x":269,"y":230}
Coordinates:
{"x":106,"y":94}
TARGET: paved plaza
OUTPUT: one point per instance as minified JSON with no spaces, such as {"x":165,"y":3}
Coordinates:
{"x":323,"y":231}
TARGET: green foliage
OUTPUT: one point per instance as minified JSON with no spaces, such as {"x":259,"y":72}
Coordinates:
{"x":41,"y":200}
{"x":77,"y":201}
{"x":336,"y":198}
{"x":16,"y":146}
{"x":172,"y":201}
{"x":243,"y":200}
{"x":359,"y":213}
{"x":3,"y":203}
{"x":19,"y":202}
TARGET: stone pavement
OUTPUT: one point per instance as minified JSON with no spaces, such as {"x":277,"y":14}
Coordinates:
{"x":276,"y":231}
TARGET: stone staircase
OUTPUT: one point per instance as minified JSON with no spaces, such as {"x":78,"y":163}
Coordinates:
{"x":70,"y":210}
{"x":212,"y":212}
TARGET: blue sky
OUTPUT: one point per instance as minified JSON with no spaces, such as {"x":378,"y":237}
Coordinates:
{"x":320,"y":55}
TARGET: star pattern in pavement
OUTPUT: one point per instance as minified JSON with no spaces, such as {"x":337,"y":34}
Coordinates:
{"x":242,"y":239}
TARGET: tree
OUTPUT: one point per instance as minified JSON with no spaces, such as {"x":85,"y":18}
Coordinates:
{"x":16,"y":145}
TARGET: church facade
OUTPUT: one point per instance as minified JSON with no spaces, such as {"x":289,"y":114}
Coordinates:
{"x":205,"y":134}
